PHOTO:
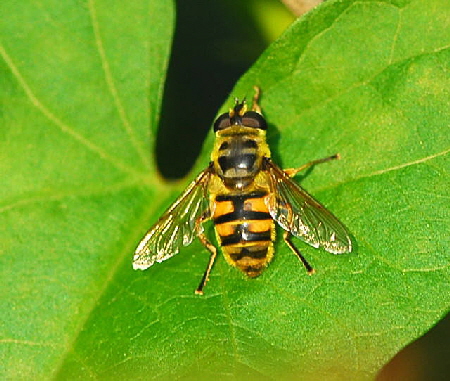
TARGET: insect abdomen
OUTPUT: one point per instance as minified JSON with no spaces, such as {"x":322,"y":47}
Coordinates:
{"x":245,"y":230}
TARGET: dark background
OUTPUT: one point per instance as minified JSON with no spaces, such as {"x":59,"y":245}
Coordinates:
{"x":215,"y":43}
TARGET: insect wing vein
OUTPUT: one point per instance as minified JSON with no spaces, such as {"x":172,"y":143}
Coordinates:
{"x":298,"y":212}
{"x":176,"y":227}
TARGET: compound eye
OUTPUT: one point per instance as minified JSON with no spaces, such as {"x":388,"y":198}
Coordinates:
{"x":255,"y":120}
{"x":222,"y":122}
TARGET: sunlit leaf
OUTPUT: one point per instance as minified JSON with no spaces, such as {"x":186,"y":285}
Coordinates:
{"x":81,"y":89}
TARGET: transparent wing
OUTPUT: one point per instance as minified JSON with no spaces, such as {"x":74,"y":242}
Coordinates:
{"x":177,"y":226}
{"x":297,"y":212}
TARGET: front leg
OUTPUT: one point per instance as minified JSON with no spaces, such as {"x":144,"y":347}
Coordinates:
{"x":291,"y":172}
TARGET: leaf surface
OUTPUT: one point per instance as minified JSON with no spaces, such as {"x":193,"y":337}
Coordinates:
{"x":80,"y":93}
{"x":82,"y":88}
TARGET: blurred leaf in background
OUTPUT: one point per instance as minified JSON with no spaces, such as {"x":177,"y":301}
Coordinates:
{"x":81,"y":92}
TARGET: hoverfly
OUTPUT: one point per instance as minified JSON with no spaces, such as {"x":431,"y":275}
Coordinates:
{"x":244,"y":193}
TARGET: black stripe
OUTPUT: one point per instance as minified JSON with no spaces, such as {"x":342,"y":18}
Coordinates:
{"x":259,"y":252}
{"x":242,"y":214}
{"x":237,"y":236}
{"x":224,"y":145}
{"x":249,"y":143}
{"x":253,"y":269}
{"x":240,"y":198}
{"x":235,"y":134}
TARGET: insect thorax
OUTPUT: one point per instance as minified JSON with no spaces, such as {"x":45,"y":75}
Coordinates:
{"x":237,"y":155}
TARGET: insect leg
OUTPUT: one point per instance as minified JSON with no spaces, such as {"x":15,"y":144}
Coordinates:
{"x":287,"y":238}
{"x":212,"y":249}
{"x":255,"y":106}
{"x":291,"y":172}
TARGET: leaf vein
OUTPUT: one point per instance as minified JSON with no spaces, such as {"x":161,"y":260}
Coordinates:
{"x":112,"y":87}
{"x":57,"y":121}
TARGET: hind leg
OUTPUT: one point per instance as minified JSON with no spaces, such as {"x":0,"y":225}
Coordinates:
{"x":287,"y":238}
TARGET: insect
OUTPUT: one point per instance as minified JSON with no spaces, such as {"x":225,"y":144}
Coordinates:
{"x":244,"y":193}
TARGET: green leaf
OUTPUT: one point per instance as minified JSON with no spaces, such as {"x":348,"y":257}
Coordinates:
{"x":82,"y":87}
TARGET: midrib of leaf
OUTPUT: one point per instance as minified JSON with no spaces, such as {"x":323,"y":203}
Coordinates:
{"x":136,"y":143}
{"x":404,"y":165}
{"x":59,"y":123}
{"x":425,"y":159}
{"x":395,"y":37}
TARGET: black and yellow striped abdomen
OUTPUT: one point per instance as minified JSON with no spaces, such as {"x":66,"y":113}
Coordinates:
{"x":245,"y":230}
